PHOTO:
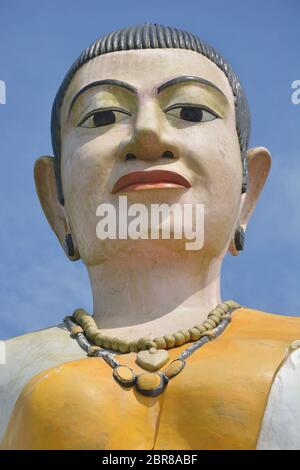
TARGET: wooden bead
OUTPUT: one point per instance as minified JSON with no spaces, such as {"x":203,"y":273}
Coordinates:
{"x":152,"y":344}
{"x":94,"y":323}
{"x":194,"y":334}
{"x":218,"y":311}
{"x":114,"y":343}
{"x":208,"y":324}
{"x":83,"y":319}
{"x":215,"y":318}
{"x":232,"y":304}
{"x":201,"y":328}
{"x":106,"y":341}
{"x":170,"y":341}
{"x":133,"y":346}
{"x":186,"y":335}
{"x":91,"y":322}
{"x":179,"y":339}
{"x":86,"y":323}
{"x":226,"y":316}
{"x":90,"y":332}
{"x":98,"y":340}
{"x":124,"y":346}
{"x":101,"y":340}
{"x":78,"y":314}
{"x":143,"y":343}
{"x":160,"y":342}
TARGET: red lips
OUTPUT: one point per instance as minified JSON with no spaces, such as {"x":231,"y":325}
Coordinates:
{"x":138,"y":180}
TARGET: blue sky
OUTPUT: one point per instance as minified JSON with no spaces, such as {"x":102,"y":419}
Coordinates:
{"x":39,"y":41}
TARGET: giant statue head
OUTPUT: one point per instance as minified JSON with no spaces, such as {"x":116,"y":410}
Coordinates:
{"x":150,"y":99}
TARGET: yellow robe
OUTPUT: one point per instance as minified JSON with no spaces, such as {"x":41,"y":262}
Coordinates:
{"x":216,"y":402}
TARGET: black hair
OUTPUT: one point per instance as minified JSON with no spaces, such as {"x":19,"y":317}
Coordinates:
{"x":152,"y":36}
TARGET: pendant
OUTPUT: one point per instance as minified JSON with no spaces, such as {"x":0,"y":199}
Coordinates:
{"x":148,"y":384}
{"x":152,"y":359}
{"x":124,"y":376}
{"x":151,"y":385}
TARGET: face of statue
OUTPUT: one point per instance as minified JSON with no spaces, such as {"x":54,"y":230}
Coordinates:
{"x":142,"y":119}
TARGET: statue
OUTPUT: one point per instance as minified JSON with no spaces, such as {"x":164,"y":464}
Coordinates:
{"x":154,"y":114}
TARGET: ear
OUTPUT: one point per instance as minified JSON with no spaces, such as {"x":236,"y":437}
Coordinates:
{"x":46,"y":189}
{"x":259,"y":164}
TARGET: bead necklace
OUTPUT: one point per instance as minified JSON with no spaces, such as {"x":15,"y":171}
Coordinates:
{"x":152,"y":354}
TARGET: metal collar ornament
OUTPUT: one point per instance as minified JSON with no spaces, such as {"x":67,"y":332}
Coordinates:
{"x":152,"y":354}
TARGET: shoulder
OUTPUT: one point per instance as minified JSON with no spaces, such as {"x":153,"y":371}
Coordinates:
{"x":40,"y":348}
{"x":50,"y":339}
{"x":267,"y":325}
{"x":25,"y":356}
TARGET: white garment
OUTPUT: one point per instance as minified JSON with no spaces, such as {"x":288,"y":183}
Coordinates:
{"x":280,"y":428}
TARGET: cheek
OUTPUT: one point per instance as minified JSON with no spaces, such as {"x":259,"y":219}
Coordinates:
{"x":86,"y":172}
{"x":225,"y":185}
{"x":87,"y":163}
{"x":212,"y":151}
{"x":215,"y":160}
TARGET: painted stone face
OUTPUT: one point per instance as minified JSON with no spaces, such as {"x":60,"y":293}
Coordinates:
{"x":185,"y":126}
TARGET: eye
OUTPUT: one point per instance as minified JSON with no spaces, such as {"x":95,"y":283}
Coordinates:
{"x":192,"y":113}
{"x":103,"y":117}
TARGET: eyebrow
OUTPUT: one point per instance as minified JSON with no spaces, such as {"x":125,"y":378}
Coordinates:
{"x":119,"y":83}
{"x":187,"y":79}
{"x":132,"y":89}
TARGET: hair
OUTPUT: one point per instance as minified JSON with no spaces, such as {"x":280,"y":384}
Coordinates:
{"x":151,"y":36}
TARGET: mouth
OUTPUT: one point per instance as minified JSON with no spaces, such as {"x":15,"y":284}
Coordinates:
{"x":151,"y":179}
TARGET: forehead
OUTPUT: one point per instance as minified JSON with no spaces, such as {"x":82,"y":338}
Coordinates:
{"x":145,"y":70}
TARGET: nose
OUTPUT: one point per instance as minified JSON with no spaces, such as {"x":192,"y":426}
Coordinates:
{"x":150,"y":139}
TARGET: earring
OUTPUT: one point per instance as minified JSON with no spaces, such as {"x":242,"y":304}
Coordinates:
{"x":239,"y":238}
{"x":69,"y":247}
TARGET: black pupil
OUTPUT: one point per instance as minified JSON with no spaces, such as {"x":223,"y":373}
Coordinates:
{"x":104,"y":118}
{"x":191,"y":114}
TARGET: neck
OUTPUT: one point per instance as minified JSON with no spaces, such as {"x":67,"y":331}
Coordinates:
{"x":153,"y":292}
